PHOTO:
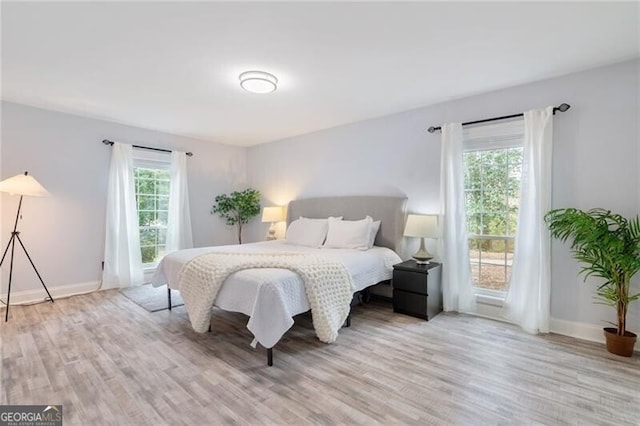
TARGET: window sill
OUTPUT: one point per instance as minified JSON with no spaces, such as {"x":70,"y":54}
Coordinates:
{"x":148,"y":271}
{"x":489,"y":300}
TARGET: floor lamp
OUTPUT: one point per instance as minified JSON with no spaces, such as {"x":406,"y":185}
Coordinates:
{"x":21,"y":185}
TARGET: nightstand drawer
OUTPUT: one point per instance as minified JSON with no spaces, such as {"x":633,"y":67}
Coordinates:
{"x":410,"y":304}
{"x":416,"y":289}
{"x":410,"y":281}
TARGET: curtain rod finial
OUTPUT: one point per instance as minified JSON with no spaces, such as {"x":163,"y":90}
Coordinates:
{"x":431,"y":129}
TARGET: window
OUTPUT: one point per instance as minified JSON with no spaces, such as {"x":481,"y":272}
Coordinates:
{"x":152,"y":178}
{"x":493,"y":167}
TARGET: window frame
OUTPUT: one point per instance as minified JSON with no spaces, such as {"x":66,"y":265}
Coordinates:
{"x":155,"y":160}
{"x":488,"y":137}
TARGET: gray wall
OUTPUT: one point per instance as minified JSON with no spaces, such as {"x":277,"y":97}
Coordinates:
{"x":65,"y":233}
{"x":596,"y":161}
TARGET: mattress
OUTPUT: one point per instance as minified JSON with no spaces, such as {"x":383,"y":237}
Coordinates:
{"x":271,"y":297}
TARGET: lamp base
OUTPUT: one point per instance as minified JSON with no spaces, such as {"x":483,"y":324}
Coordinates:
{"x":422,"y":256}
{"x":272,"y":233}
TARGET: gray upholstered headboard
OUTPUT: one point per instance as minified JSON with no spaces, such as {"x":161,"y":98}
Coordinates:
{"x":389,"y":210}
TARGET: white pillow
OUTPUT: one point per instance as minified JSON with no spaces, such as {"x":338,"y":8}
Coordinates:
{"x":353,"y":234}
{"x":373,"y":231}
{"x":307,"y":232}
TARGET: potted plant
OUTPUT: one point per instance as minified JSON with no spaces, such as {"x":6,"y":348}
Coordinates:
{"x":237,"y":208}
{"x":608,"y":245}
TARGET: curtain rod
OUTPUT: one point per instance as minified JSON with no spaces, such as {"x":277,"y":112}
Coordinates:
{"x":562,"y":108}
{"x":108,"y":142}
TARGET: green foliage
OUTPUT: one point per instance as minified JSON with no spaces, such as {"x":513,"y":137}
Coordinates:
{"x":608,"y":245}
{"x":492,"y":199}
{"x":152,"y":201}
{"x":492,"y":191}
{"x":237,"y":208}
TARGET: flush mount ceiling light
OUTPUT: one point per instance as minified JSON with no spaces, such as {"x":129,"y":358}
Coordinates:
{"x":258,"y":81}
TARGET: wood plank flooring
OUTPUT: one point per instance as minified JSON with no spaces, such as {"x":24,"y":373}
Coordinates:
{"x":110,"y":362}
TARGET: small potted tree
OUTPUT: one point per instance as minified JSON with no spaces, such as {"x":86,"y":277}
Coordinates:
{"x":608,"y":246}
{"x":237,"y":208}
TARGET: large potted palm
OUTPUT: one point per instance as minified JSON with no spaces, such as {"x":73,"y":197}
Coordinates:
{"x":608,"y":246}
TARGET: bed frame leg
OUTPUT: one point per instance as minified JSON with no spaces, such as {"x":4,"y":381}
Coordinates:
{"x":209,"y":327}
{"x":348,"y":322}
{"x":270,"y":357}
{"x":169,"y":297}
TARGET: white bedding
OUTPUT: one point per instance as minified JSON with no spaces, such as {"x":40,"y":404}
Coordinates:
{"x":271,"y":297}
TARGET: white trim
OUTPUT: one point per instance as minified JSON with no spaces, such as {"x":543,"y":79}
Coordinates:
{"x":501,"y":135}
{"x":488,"y":307}
{"x":487,"y":299}
{"x":58,"y":292}
{"x":579,"y":330}
{"x":488,"y":310}
{"x":147,"y":158}
{"x":148,"y":273}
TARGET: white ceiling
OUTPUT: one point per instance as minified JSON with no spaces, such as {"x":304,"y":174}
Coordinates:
{"x":174,"y":66}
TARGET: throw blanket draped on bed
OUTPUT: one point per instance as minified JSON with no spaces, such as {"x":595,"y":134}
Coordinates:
{"x":327,"y":282}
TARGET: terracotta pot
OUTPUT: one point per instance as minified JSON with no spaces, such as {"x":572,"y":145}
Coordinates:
{"x":619,"y":345}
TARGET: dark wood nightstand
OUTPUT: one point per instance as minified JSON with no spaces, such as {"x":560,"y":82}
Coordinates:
{"x":417,"y":290}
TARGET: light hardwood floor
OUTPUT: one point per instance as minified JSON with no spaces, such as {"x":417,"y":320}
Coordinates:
{"x":108,"y":361}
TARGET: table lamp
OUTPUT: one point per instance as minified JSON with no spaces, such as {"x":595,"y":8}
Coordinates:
{"x":273,"y":215}
{"x":422,"y":226}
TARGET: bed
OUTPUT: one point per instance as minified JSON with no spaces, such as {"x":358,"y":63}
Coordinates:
{"x":271,"y":297}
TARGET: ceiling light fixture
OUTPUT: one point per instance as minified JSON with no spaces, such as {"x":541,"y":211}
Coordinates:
{"x":258,"y":82}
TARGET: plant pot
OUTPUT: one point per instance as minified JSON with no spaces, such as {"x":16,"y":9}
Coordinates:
{"x":619,"y":345}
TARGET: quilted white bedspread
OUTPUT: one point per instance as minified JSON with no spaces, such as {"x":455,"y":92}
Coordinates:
{"x":271,"y":296}
{"x":327,"y":282}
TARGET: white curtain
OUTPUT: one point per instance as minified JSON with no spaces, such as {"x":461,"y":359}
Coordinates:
{"x":457,"y":289}
{"x":122,"y":258}
{"x":528,"y":299}
{"x":179,"y":234}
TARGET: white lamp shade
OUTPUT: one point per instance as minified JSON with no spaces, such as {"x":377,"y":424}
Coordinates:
{"x":273,"y":214}
{"x":23,"y":184}
{"x":419,"y":225}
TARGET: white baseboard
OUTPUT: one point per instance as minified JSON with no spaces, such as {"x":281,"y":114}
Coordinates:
{"x":579,"y":330}
{"x":148,"y":274}
{"x":38,"y":295}
{"x":489,"y":310}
